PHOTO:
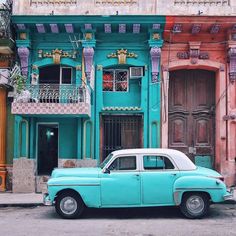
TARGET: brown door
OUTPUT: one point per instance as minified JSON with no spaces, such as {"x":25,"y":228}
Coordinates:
{"x":192,"y":113}
{"x":120,"y":132}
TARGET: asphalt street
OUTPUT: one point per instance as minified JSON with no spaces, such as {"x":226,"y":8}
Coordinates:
{"x":42,"y":220}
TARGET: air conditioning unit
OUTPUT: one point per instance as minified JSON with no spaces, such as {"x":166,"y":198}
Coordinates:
{"x":4,"y":76}
{"x":135,"y":72}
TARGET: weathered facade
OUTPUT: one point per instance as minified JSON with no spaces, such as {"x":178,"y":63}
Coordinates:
{"x":92,"y":87}
{"x":199,"y":87}
{"x":105,"y":75}
{"x":6,"y":56}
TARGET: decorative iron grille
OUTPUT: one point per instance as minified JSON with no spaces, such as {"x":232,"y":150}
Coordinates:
{"x":53,"y":93}
{"x":121,"y":132}
{"x":115,"y":80}
{"x":5,"y":19}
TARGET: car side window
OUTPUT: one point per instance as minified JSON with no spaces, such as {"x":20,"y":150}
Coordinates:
{"x":157,"y":163}
{"x":124,"y":163}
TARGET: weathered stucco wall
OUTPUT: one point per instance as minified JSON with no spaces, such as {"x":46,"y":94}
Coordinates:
{"x":124,"y":7}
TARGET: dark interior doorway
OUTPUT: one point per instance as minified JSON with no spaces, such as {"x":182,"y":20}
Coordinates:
{"x":47,"y":148}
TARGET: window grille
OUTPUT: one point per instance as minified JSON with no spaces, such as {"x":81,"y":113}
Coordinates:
{"x":115,"y":80}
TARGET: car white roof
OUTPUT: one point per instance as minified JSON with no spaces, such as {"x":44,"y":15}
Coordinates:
{"x":179,"y":158}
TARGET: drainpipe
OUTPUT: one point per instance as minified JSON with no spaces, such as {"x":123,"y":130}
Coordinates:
{"x":3,"y":120}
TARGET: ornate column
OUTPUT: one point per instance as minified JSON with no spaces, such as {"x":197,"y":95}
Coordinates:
{"x":3,"y":123}
{"x":88,"y":58}
{"x":23,"y":53}
{"x":155,"y":53}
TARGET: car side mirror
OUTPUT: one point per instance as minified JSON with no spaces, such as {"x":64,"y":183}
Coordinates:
{"x":107,"y":171}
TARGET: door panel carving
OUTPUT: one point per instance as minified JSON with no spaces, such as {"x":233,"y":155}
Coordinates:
{"x":191,"y":112}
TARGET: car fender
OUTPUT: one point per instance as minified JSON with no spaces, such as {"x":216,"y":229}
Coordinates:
{"x":87,"y":188}
{"x":212,"y":186}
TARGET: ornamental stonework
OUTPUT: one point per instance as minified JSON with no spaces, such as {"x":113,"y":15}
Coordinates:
{"x":53,"y":2}
{"x":116,"y":2}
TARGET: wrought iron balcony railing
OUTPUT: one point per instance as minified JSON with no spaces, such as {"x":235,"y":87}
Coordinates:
{"x":53,"y":93}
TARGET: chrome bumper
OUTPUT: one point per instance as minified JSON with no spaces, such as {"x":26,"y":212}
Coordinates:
{"x":46,"y":200}
{"x":230,"y":194}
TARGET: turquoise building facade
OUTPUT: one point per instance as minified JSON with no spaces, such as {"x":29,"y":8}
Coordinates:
{"x":90,"y":85}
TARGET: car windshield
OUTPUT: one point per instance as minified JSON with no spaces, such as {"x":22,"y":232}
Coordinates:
{"x":108,"y":158}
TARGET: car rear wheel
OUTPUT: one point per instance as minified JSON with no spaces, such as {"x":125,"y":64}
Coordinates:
{"x":69,"y":205}
{"x":195,"y":205}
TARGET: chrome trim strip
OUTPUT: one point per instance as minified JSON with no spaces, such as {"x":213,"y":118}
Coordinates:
{"x":68,"y":185}
{"x":198,"y":188}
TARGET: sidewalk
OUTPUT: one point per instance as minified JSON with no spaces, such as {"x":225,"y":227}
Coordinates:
{"x":36,"y":199}
{"x":20,"y":199}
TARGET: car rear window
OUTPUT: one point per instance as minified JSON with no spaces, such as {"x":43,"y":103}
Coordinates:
{"x":157,"y":163}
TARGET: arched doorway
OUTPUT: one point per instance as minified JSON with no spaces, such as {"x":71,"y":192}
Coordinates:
{"x":191,"y":114}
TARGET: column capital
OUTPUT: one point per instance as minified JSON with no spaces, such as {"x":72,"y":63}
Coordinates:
{"x":232,"y":63}
{"x":24,"y":53}
{"x":155,"y":53}
{"x":88,"y":53}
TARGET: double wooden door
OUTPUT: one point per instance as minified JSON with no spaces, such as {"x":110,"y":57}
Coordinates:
{"x":192,"y":112}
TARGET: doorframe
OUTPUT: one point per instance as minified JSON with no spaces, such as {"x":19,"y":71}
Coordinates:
{"x":220,"y":87}
{"x":37,"y":133}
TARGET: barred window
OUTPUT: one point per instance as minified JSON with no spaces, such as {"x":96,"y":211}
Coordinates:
{"x":115,"y":80}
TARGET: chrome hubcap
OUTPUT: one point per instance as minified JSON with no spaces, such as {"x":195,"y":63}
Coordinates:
{"x":195,"y":204}
{"x":68,"y":205}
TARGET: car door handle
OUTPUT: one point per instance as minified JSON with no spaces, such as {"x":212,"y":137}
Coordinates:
{"x":136,"y":176}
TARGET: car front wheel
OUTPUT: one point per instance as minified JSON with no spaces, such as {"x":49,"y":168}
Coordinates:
{"x":69,"y":205}
{"x":195,"y":205}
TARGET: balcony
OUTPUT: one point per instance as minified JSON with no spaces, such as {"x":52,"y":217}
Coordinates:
{"x":52,"y":99}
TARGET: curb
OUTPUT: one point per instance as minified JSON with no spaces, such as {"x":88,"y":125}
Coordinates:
{"x":21,"y":204}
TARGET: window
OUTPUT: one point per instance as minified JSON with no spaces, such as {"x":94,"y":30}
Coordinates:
{"x":55,"y":75}
{"x":157,"y":163}
{"x":115,"y":80}
{"x":66,"y":74}
{"x":124,"y":163}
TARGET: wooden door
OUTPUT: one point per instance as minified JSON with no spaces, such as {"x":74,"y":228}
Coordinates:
{"x":192,"y":113}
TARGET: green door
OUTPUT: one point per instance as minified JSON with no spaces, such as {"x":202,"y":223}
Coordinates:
{"x":121,"y":187}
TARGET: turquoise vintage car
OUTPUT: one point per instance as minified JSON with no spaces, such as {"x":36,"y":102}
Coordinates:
{"x":137,"y":178}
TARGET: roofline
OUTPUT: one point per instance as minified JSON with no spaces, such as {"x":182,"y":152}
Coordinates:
{"x":144,"y":150}
{"x":95,"y":19}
